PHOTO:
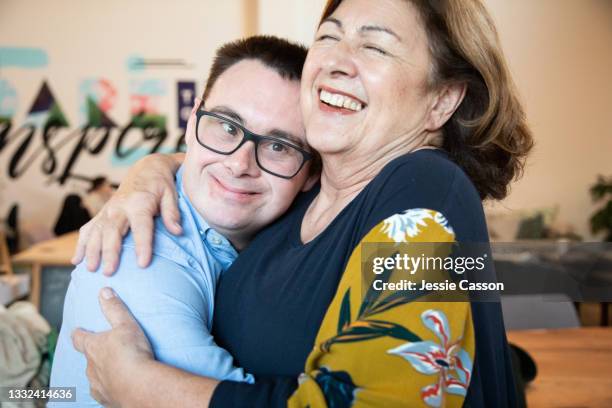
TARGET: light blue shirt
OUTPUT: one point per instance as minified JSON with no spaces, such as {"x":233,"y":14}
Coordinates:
{"x":172,"y":300}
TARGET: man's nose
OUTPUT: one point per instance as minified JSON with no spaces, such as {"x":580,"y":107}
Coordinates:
{"x":242,"y":162}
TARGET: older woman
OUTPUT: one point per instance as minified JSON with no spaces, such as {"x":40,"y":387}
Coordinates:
{"x":412,"y":109}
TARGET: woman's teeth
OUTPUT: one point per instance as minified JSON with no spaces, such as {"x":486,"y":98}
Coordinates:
{"x":341,"y":101}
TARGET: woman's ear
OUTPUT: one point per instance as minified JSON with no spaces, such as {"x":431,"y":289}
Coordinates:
{"x":445,"y":104}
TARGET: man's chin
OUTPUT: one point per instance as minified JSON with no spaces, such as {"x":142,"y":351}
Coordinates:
{"x":231,"y":221}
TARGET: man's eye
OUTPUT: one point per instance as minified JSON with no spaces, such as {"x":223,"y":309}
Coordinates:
{"x":278,"y":147}
{"x":229,"y":128}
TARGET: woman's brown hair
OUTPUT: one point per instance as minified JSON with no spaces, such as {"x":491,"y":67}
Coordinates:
{"x":487,"y":136}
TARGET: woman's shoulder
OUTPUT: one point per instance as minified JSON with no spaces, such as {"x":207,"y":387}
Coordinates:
{"x":427,"y":179}
{"x":426,"y":175}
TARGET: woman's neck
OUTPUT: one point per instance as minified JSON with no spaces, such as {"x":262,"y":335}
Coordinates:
{"x":342,"y":179}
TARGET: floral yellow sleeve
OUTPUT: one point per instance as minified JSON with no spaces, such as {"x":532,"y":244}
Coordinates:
{"x":388,"y":350}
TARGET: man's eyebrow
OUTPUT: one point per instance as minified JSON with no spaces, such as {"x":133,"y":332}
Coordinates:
{"x":230,"y":113}
{"x":365,"y":28}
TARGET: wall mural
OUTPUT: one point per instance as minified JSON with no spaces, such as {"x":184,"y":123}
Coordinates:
{"x":46,"y":130}
{"x":23,"y":57}
{"x":47,"y":144}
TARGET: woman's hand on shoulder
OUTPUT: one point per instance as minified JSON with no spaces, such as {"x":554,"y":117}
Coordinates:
{"x":147,"y":190}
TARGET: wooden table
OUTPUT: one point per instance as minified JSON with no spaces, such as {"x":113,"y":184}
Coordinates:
{"x":54,"y":252}
{"x":574,"y":366}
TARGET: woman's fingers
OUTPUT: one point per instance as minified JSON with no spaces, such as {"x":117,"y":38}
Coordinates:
{"x":93,"y":247}
{"x":79,"y":252}
{"x":111,"y":249}
{"x":81,"y":340}
{"x":115,"y":311}
{"x":169,"y":211}
{"x":146,"y":191}
{"x":141,"y":209}
{"x":142,"y":231}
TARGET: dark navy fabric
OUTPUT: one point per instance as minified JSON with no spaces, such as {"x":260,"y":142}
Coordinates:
{"x":270,"y":303}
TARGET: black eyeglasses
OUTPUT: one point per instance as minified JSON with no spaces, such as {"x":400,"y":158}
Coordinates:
{"x":273,"y":155}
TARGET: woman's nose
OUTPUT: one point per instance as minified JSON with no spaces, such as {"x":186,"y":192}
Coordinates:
{"x":340,"y":61}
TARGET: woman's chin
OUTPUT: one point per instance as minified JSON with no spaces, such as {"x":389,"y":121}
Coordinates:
{"x":326,"y":142}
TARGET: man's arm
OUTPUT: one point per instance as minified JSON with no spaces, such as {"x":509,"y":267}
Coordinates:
{"x":121,"y":368}
{"x":171,"y":304}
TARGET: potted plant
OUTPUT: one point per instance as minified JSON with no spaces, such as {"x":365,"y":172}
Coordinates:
{"x":602,"y":219}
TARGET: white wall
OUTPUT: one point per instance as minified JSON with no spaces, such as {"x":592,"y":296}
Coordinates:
{"x":560,"y":52}
{"x":294,"y":19}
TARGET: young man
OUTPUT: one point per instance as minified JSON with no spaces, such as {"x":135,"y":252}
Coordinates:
{"x":246,"y":161}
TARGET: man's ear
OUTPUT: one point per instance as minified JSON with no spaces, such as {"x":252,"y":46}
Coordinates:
{"x":191,"y":122}
{"x":312,"y":179}
{"x":445,"y":104}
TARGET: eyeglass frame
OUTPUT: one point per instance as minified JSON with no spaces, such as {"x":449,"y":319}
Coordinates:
{"x":252,"y":137}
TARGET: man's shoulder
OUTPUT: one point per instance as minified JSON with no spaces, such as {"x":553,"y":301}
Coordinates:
{"x":187,"y":250}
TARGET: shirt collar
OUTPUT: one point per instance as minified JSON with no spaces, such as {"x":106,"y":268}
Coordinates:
{"x":220,"y":245}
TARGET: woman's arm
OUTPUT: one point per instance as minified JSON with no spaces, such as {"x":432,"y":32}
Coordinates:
{"x":373,"y":350}
{"x":147,"y":190}
{"x":380,"y":348}
{"x":122,"y":371}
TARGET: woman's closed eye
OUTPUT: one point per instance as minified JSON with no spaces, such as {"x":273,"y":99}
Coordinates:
{"x":326,"y":37}
{"x":377,"y":49}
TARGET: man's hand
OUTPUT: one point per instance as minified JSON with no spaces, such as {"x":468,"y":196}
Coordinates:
{"x":114,"y":357}
{"x":146,"y":191}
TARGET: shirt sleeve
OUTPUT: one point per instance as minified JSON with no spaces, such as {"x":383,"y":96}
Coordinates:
{"x":170,"y":302}
{"x":378,"y":349}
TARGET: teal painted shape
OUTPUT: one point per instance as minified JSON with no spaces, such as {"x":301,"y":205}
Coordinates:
{"x":149,"y":87}
{"x":135,"y":63}
{"x":8,"y":99}
{"x":23,"y":57}
{"x":136,"y":155}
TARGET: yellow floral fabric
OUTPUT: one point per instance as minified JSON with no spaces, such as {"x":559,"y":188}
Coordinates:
{"x":391,"y":351}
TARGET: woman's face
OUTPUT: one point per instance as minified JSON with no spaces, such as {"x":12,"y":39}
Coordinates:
{"x":364,"y":85}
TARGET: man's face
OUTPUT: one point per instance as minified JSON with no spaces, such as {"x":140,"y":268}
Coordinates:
{"x":231,"y":192}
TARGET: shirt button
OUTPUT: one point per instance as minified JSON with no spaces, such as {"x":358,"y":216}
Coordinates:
{"x":215,"y":240}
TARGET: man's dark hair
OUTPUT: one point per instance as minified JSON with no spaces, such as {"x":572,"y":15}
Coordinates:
{"x":285,"y":57}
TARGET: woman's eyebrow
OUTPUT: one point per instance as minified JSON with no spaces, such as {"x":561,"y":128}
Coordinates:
{"x":333,"y":21}
{"x":365,"y":28}
{"x":380,"y":29}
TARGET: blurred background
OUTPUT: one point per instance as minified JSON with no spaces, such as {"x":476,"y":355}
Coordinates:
{"x":89,"y":87}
